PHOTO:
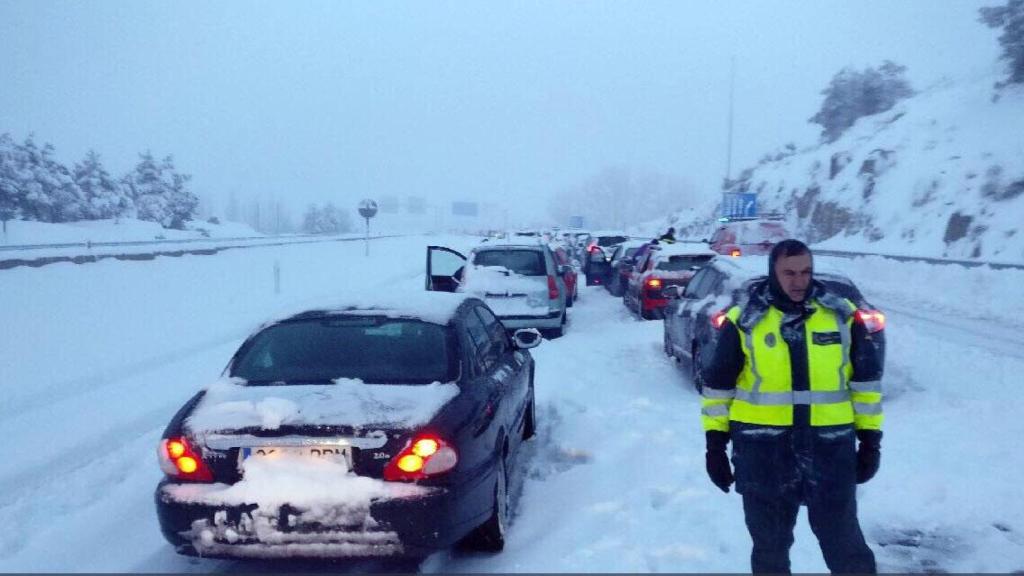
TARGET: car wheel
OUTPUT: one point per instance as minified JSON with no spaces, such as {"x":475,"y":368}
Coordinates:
{"x":644,"y":314}
{"x":490,"y":536}
{"x":667,"y":344}
{"x":569,"y":301}
{"x":695,"y":363}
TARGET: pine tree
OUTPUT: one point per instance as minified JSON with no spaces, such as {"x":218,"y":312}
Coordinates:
{"x":11,"y":197}
{"x":161,"y":194}
{"x":311,"y":220}
{"x":105,"y":197}
{"x":853,"y":94}
{"x":1010,"y":18}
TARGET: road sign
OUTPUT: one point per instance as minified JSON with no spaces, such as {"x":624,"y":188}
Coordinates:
{"x":368,"y":208}
{"x":739,"y":205}
{"x":465,"y":208}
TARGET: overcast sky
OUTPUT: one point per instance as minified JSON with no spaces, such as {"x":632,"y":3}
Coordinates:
{"x":505,"y":103}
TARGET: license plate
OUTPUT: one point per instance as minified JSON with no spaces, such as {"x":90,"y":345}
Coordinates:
{"x":339,"y":453}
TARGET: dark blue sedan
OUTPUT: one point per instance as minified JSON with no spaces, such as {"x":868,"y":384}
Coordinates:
{"x":381,"y":429}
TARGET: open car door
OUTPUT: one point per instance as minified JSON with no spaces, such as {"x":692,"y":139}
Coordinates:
{"x":444,"y":269}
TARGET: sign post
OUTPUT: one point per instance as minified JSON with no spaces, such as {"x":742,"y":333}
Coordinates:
{"x":368,"y":209}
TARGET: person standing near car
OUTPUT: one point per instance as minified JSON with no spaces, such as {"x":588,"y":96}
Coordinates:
{"x":669,"y":236}
{"x":794,"y":383}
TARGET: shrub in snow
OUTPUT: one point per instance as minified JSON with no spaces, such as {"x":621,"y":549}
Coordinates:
{"x":1009,"y":18}
{"x":853,"y":94}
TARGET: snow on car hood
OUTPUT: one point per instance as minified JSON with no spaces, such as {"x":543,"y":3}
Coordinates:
{"x":229,"y":405}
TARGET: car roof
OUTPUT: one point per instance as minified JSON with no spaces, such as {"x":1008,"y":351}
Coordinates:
{"x":685,"y":249}
{"x":744,"y":270}
{"x":516,"y":246}
{"x":427,"y":306}
{"x":609,"y":233}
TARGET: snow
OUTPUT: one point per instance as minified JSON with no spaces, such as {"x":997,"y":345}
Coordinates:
{"x":228,"y":405}
{"x":96,"y":359}
{"x":27,"y":232}
{"x":289,"y":479}
{"x":433,"y":307}
{"x":685,"y":249}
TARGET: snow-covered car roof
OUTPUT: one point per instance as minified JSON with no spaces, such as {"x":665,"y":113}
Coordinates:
{"x":686,"y":249}
{"x":428,"y":306}
{"x":538,"y":245}
{"x":609,"y":233}
{"x":744,"y":268}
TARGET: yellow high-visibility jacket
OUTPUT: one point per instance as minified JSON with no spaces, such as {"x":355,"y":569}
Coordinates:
{"x":763,"y":393}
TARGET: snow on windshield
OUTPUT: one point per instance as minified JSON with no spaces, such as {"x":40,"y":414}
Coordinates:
{"x":229,"y":405}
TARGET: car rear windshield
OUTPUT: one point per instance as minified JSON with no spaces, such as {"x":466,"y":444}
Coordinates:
{"x":524,"y":262}
{"x":610,"y":240}
{"x":677,"y":263}
{"x":373,"y":349}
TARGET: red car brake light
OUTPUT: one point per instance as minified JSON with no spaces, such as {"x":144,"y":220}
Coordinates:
{"x":735,"y":252}
{"x":718,"y":319}
{"x":873,"y":320}
{"x":426,"y":455}
{"x":552,"y":288}
{"x":178,"y":460}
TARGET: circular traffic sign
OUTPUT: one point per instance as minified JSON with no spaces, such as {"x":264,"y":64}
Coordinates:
{"x":368,"y":208}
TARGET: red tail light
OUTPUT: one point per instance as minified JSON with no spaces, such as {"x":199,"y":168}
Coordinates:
{"x":718,"y":319}
{"x":552,"y":288}
{"x":873,"y":320}
{"x":653,"y":283}
{"x":179,"y":460}
{"x":735,"y":252}
{"x":593,"y":248}
{"x":426,"y":455}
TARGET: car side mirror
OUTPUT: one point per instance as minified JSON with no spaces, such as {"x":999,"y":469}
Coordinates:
{"x":526,"y":338}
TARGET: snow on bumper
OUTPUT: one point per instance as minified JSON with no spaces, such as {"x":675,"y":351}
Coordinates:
{"x":404,"y":523}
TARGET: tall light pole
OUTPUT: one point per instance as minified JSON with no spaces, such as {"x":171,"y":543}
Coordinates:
{"x":732,"y":91}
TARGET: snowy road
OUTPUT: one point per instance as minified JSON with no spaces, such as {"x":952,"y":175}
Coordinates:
{"x":97,"y":358}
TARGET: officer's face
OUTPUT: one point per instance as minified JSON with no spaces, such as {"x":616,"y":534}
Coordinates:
{"x":794,"y":275}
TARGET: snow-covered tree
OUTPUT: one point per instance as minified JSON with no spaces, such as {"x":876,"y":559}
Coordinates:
{"x":50,"y":192}
{"x":853,"y":94}
{"x":1010,"y":18}
{"x":161,"y":194}
{"x":105,"y":197}
{"x":326,"y":220}
{"x":11,"y":197}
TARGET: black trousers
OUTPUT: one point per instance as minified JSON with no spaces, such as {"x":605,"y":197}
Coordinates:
{"x":770,"y":520}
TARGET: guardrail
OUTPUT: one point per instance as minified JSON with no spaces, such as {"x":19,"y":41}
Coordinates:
{"x":902,"y":258}
{"x":262,"y":241}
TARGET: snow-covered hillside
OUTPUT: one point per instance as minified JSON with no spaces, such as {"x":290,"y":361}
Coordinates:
{"x":941,"y":174}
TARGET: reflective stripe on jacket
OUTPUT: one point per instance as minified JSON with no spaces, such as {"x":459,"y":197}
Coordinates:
{"x":764,"y":393}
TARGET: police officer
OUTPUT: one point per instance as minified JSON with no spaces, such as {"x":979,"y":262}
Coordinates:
{"x":794,"y":383}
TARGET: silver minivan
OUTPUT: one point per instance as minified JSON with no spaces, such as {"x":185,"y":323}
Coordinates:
{"x":520,"y":282}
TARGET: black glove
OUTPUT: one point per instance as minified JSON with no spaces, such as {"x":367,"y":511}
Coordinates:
{"x":717,"y":461}
{"x":869,"y":454}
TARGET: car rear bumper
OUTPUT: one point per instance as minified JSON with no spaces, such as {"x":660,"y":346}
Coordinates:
{"x":552,"y":319}
{"x":399,"y":527}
